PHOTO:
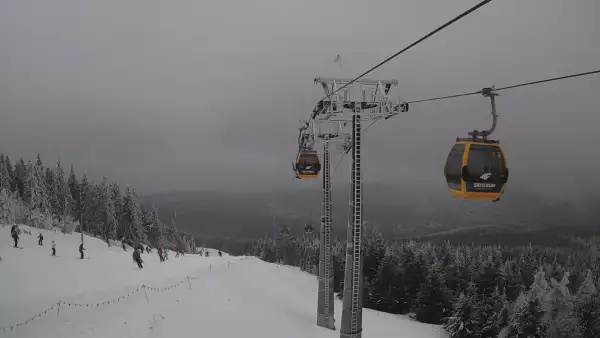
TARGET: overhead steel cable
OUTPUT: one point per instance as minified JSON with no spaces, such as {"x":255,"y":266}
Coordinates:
{"x":480,"y":91}
{"x":469,"y":11}
{"x":508,"y":87}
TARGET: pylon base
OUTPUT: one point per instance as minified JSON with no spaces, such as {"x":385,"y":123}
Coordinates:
{"x":326,"y":322}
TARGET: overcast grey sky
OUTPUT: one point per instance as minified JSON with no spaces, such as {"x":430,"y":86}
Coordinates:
{"x":184,"y":94}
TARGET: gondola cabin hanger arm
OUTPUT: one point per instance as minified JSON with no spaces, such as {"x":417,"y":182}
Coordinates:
{"x":476,"y":167}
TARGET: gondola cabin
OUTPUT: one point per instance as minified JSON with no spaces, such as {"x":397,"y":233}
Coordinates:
{"x":476,"y":170}
{"x":308,"y":228}
{"x":307,"y":165}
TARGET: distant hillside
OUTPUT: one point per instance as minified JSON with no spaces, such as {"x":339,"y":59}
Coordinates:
{"x":398,"y":212}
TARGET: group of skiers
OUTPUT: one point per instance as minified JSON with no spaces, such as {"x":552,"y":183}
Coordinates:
{"x":138,"y":248}
{"x":15,"y":232}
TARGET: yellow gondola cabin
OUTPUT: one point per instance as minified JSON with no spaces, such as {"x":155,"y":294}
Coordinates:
{"x":476,"y":170}
{"x":307,"y":165}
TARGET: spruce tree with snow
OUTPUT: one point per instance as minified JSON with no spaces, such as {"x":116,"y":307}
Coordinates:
{"x":108,"y":209}
{"x":465,"y":319}
{"x":155,"y":228}
{"x":560,"y":318}
{"x":587,"y":307}
{"x":4,"y":175}
{"x":36,"y":195}
{"x":11,"y":174}
{"x":527,"y":319}
{"x":94,"y":213}
{"x":488,"y":277}
{"x":133,"y":219}
{"x":432,"y":302}
{"x":59,"y":205}
{"x":20,"y":179}
{"x":50,"y":188}
{"x":73,"y":184}
{"x":117,"y":202}
{"x":495,"y":310}
{"x":7,"y":207}
{"x":84,"y":195}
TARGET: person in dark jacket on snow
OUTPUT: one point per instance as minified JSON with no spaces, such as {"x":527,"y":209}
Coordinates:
{"x":137,"y":258}
{"x":160,"y":254}
{"x":53,"y":248}
{"x":81,"y":248}
{"x":14,"y":232}
{"x":40,"y":239}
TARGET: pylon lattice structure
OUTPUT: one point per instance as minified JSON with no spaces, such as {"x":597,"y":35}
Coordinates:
{"x":347,"y":103}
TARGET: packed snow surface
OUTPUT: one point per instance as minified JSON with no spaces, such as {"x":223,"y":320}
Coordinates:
{"x":224,"y":296}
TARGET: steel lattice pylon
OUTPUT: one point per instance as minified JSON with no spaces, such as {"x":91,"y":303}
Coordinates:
{"x":353,"y":277}
{"x":325,"y":304}
{"x":374,"y":103}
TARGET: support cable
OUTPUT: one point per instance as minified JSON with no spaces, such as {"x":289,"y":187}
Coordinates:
{"x":508,"y":87}
{"x":437,"y":30}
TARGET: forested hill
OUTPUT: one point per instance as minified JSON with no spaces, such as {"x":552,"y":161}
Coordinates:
{"x":398,"y":212}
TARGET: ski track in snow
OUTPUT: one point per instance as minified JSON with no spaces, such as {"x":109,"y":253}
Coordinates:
{"x":232,"y":296}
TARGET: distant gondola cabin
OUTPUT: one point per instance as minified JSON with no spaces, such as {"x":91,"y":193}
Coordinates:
{"x":307,"y":164}
{"x":308,"y":228}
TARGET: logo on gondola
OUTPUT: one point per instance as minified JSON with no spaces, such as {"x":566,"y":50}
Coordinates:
{"x":486,"y":176}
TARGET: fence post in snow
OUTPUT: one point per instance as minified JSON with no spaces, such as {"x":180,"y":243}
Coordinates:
{"x":210,"y":269}
{"x":145,"y":293}
{"x":190,"y":284}
{"x":58,"y":309}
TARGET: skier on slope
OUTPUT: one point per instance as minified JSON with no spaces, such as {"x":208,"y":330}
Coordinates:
{"x":220,"y":253}
{"x":40,"y":239}
{"x":81,"y":248}
{"x":53,"y":248}
{"x":160,"y":254}
{"x":137,"y":258}
{"x":14,"y":232}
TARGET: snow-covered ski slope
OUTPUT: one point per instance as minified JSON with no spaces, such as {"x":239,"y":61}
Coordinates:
{"x":226,"y":296}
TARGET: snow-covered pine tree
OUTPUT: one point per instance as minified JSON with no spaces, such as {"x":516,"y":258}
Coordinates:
{"x":20,"y":179}
{"x":4,"y":174}
{"x":155,"y":233}
{"x":587,"y":307}
{"x":559,"y":316}
{"x":95,"y":210}
{"x":50,"y":188}
{"x":432,"y":302}
{"x":133,"y":217}
{"x":60,"y":193}
{"x":108,"y":209}
{"x":465,"y":319}
{"x":11,"y":174}
{"x":69,"y":224}
{"x":84,"y":194}
{"x":27,"y":191}
{"x":527,"y":319}
{"x":73,"y":184}
{"x":7,"y":207}
{"x":117,"y":202}
{"x":488,"y":277}
{"x":495,"y":314}
{"x":390,"y":283}
{"x":36,"y":194}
